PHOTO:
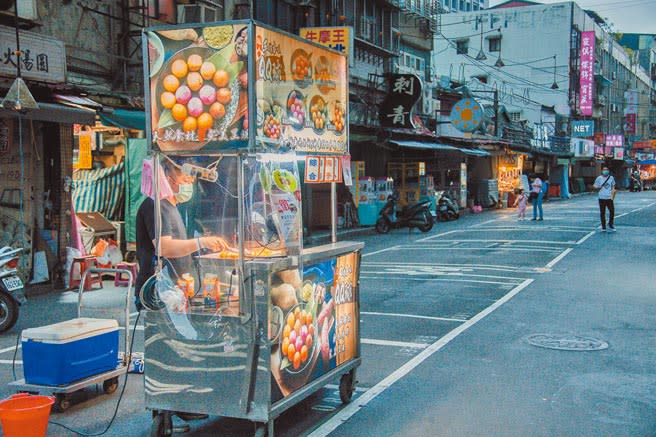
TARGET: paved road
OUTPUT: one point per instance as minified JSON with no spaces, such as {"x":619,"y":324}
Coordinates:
{"x":445,"y":321}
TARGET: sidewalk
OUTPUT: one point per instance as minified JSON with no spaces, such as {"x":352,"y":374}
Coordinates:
{"x":491,"y":381}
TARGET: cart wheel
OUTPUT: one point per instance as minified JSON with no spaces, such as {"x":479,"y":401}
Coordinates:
{"x":110,"y":385}
{"x":61,"y":403}
{"x":347,"y":386}
{"x":162,"y":424}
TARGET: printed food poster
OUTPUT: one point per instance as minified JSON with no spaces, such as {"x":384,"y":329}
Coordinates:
{"x":316,"y":327}
{"x":302,"y":96}
{"x":198,"y":87}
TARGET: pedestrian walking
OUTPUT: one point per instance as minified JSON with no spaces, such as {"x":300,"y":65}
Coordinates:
{"x":605,"y":186}
{"x":537,"y":195}
{"x":522,"y":201}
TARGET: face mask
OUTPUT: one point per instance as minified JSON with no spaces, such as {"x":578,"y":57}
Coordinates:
{"x":605,"y":172}
{"x":185,"y":193}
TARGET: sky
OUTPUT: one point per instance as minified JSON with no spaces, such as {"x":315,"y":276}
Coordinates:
{"x":627,"y":16}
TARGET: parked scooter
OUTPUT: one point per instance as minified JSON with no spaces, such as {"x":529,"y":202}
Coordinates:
{"x":412,"y":216}
{"x":447,"y":208}
{"x":11,"y":288}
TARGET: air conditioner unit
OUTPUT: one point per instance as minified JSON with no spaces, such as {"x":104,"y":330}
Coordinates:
{"x":613,"y":75}
{"x":427,"y":101}
{"x":613,"y":107}
{"x":198,"y":13}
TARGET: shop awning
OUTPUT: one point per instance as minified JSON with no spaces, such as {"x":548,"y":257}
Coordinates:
{"x":124,"y":118}
{"x":440,"y":146}
{"x":56,"y":113}
{"x":647,"y":162}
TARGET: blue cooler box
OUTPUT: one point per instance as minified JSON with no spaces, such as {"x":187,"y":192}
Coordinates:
{"x":64,"y":352}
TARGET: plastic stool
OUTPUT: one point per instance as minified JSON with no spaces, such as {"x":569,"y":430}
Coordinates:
{"x":120,"y":280}
{"x":85,"y":262}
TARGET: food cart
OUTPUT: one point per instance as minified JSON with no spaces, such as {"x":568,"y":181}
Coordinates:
{"x":253,"y":329}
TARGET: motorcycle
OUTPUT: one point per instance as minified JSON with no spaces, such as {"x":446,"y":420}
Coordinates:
{"x":11,"y":288}
{"x":636,"y":185}
{"x":447,"y":208}
{"x":417,"y":215}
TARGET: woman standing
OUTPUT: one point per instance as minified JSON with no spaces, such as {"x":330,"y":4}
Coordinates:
{"x":537,"y":195}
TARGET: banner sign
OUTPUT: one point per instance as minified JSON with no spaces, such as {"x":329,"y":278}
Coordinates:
{"x":396,"y":109}
{"x":631,"y":120}
{"x":582,"y":128}
{"x":582,"y":148}
{"x":618,"y":153}
{"x":43,"y":58}
{"x":586,"y":72}
{"x":614,"y":141}
{"x":336,"y":38}
{"x":323,"y":169}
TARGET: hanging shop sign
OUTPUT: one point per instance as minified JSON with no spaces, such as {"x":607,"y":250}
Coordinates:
{"x":397,"y":109}
{"x":614,"y":141}
{"x":630,"y":125}
{"x":582,"y":148}
{"x":323,"y":169}
{"x":336,"y":38}
{"x":618,"y":153}
{"x":646,"y":144}
{"x":586,"y":72}
{"x":582,"y":128}
{"x":43,"y":58}
{"x":467,"y":115}
{"x":6,"y":135}
{"x":82,"y":145}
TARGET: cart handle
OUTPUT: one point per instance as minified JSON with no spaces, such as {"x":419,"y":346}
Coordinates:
{"x":128,"y":299}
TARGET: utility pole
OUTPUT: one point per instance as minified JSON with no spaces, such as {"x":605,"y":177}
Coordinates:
{"x":496,"y":113}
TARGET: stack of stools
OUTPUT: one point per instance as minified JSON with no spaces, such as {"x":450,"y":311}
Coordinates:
{"x":122,"y":281}
{"x":85,"y":262}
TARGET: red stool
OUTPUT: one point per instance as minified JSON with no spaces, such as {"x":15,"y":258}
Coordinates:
{"x":120,"y":279}
{"x":85,"y":262}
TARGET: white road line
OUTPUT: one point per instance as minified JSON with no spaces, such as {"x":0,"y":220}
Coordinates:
{"x":466,"y":267}
{"x":533,"y":229}
{"x":351,"y":409}
{"x":7,"y":349}
{"x":412,"y":316}
{"x":483,"y":223}
{"x":554,"y":261}
{"x":432,"y":237}
{"x":380,"y":251}
{"x":521,"y":249}
{"x":589,"y":234}
{"x":405,"y":278}
{"x":11,"y":361}
{"x":419,"y":272}
{"x":503,"y":240}
{"x":403,"y":344}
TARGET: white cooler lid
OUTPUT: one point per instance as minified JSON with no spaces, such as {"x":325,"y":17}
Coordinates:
{"x":73,"y":329}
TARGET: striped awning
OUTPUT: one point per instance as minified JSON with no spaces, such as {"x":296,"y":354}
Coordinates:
{"x":100,"y":191}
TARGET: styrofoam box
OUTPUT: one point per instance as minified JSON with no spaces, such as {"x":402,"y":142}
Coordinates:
{"x":67,"y":351}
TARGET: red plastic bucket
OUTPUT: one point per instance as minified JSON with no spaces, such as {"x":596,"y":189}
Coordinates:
{"x":25,"y":415}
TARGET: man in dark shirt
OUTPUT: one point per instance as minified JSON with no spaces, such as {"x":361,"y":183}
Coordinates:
{"x":175,"y":246}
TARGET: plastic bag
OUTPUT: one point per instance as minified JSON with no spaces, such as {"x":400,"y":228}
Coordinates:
{"x":99,"y":249}
{"x":112,"y":255}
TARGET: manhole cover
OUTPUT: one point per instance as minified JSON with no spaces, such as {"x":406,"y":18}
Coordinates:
{"x":567,"y":342}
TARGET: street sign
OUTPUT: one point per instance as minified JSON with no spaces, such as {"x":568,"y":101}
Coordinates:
{"x":323,"y":169}
{"x":582,"y":128}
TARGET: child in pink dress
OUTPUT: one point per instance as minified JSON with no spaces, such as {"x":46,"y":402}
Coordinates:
{"x":522,"y":201}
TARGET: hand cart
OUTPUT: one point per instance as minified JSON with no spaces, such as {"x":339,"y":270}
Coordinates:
{"x":108,"y":379}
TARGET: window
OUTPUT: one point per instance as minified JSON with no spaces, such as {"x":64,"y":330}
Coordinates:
{"x":462,"y":47}
{"x":514,"y":116}
{"x":494,"y":44}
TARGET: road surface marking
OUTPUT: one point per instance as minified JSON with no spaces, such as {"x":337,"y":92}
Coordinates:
{"x":7,"y":349}
{"x":412,"y":316}
{"x":483,"y":223}
{"x":432,"y":271}
{"x":500,"y":248}
{"x":351,"y":409}
{"x":379,"y":251}
{"x":403,"y":344}
{"x":11,"y":361}
{"x":437,"y":280}
{"x":464,"y":267}
{"x":524,"y":228}
{"x":588,"y":235}
{"x":554,"y":261}
{"x":505,"y":240}
{"x":437,"y":236}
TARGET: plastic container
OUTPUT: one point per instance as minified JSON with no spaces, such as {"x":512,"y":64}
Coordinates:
{"x":25,"y":415}
{"x":64,"y":352}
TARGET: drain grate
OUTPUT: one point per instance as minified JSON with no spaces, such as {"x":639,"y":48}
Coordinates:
{"x":567,"y":342}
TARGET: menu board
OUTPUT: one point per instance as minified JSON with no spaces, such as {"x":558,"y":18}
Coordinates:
{"x":301,"y":94}
{"x":198,"y":81}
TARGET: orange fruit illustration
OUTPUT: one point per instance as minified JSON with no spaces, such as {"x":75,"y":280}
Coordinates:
{"x":167,"y":99}
{"x":194,"y":81}
{"x":179,"y":68}
{"x":223,"y":95}
{"x":217,"y":110}
{"x":205,"y":121}
{"x":207,"y":70}
{"x":221,"y":78}
{"x":171,"y":83}
{"x":189,"y":124}
{"x":194,"y":62}
{"x":179,"y":112}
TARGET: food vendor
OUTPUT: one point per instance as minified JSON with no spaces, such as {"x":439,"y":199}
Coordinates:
{"x":176,"y":248}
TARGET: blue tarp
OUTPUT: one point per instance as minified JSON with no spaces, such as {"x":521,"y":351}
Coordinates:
{"x":124,"y":119}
